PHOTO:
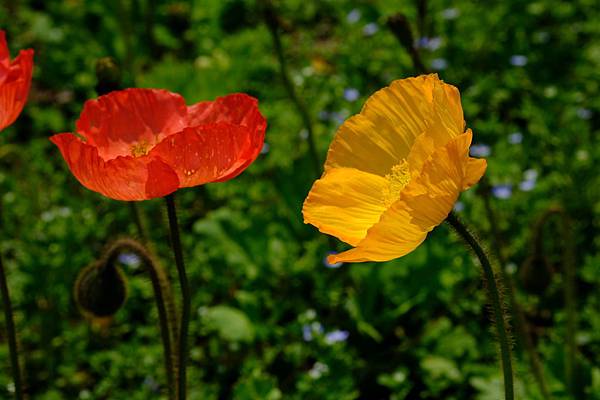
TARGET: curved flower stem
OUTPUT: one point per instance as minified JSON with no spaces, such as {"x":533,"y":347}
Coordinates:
{"x":272,"y":22}
{"x":520,"y":321}
{"x":185,"y":294}
{"x":496,"y":301}
{"x":12,"y":335}
{"x":165,"y":304}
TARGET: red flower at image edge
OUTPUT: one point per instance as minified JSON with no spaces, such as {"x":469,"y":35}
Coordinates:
{"x":15,"y":80}
{"x":138,"y":144}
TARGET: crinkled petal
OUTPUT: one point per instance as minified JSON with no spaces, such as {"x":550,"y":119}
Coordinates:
{"x":345,"y":203}
{"x":130,"y":121}
{"x":122,"y":178}
{"x":383,"y":133}
{"x":423,"y":204}
{"x":15,"y":89}
{"x":210,"y":153}
{"x":236,"y":109}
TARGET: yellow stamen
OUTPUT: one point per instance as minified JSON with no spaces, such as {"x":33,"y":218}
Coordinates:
{"x":140,"y":149}
{"x":398,"y":178}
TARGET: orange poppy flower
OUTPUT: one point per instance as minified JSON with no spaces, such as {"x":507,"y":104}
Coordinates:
{"x":394,"y":171}
{"x":15,"y":80}
{"x":138,"y":144}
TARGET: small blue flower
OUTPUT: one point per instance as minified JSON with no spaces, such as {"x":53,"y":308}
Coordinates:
{"x":518,"y":60}
{"x":439,"y":64}
{"x":450,"y":13}
{"x":324,"y":115}
{"x":502,"y":191}
{"x":129,"y":259}
{"x":584,"y":113}
{"x":265,"y":149}
{"x":370,"y":29}
{"x":527,"y":185}
{"x":307,"y":333}
{"x":339,"y":116}
{"x":351,"y":94}
{"x":431,"y":44}
{"x":480,"y":150}
{"x":353,"y":16}
{"x":459,"y":206}
{"x":336,"y":336}
{"x":515,"y":138}
{"x":329,"y":265}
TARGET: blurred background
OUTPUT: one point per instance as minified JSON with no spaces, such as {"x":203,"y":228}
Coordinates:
{"x":271,"y":319}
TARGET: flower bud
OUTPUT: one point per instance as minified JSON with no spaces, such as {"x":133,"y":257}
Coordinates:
{"x":108,"y":75}
{"x":536,"y":273}
{"x":100,"y":290}
{"x":400,"y":27}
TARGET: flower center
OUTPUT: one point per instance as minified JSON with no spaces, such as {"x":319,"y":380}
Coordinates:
{"x":140,"y":149}
{"x":397,"y":179}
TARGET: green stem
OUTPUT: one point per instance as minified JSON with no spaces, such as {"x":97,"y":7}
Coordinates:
{"x":570,"y":302}
{"x":165,"y":304}
{"x":273,"y":25}
{"x":520,"y":321}
{"x":12,"y":335}
{"x":138,"y":220}
{"x":491,"y":284}
{"x":568,"y":260}
{"x":185,"y":294}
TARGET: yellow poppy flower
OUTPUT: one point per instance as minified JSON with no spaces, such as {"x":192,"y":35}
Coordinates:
{"x":394,"y":171}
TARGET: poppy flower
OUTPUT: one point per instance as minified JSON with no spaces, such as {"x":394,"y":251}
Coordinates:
{"x":15,"y":80}
{"x":394,"y":171}
{"x":138,"y":144}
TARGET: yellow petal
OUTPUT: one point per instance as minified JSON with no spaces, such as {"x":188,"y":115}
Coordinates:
{"x":345,"y":202}
{"x":384,"y":132}
{"x":423,"y":204}
{"x":475,"y":169}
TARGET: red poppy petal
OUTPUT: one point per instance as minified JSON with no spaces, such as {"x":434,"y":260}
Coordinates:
{"x":123,"y":122}
{"x":162,"y":180}
{"x":4,"y":53}
{"x":15,"y":89}
{"x":237,"y":109}
{"x":123,"y":178}
{"x":210,"y":153}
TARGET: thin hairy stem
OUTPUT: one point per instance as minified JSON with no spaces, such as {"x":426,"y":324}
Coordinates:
{"x":12,"y":335}
{"x":185,"y":295}
{"x":520,"y":321}
{"x":499,"y":314}
{"x":167,"y":314}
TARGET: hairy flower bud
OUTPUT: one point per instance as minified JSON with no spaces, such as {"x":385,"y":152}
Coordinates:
{"x":100,"y":289}
{"x":108,"y":75}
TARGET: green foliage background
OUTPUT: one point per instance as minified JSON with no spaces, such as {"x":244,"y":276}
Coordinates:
{"x":418,"y":326}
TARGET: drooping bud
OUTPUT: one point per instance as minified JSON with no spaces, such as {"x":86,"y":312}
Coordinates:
{"x":108,"y":75}
{"x":400,"y":27}
{"x":100,"y":290}
{"x":536,"y":273}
